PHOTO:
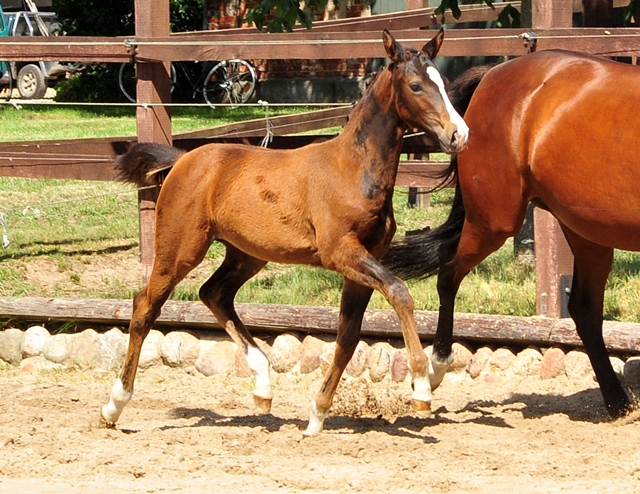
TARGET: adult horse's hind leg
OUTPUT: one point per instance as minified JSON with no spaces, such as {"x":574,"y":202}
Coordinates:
{"x":218,"y":294}
{"x":592,"y":264}
{"x":475,"y":244}
{"x":355,"y":299}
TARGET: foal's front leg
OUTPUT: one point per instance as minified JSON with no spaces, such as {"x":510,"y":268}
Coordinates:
{"x":354,"y":262}
{"x":355,"y":299}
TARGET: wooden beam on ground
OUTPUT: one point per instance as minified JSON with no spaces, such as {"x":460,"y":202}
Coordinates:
{"x":485,"y":329}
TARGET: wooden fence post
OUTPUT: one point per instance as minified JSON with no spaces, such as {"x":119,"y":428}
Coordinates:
{"x":554,"y":261}
{"x":153,"y":122}
{"x":419,"y":197}
{"x":554,"y":265}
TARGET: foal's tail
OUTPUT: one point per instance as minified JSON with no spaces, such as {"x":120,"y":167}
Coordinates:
{"x":146,"y":163}
{"x":418,"y":255}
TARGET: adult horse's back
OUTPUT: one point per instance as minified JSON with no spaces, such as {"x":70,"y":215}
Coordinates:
{"x":327,"y":204}
{"x":559,"y":129}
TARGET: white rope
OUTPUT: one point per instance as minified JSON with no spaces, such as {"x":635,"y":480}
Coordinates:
{"x":5,"y":236}
{"x":36,"y":209}
{"x":37,"y":212}
{"x":269,"y":137}
{"x":147,"y":105}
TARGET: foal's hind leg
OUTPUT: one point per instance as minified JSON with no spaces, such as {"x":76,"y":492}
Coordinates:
{"x":177,"y":253}
{"x":354,"y":301}
{"x":218,"y":294}
{"x":591,"y":268}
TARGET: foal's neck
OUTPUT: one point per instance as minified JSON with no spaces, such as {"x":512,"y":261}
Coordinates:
{"x":375,"y":126}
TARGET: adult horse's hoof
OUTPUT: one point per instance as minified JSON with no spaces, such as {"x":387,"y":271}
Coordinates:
{"x":422,"y":408}
{"x":262,"y":404}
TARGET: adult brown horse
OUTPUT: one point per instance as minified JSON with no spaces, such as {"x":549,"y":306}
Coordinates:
{"x":559,"y":129}
{"x":327,"y":204}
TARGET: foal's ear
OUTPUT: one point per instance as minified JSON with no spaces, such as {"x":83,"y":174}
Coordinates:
{"x":432,"y":48}
{"x":394,"y":51}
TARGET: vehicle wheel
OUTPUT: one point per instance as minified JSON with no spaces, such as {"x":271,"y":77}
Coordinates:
{"x":127,"y":80}
{"x":31,"y":83}
{"x":230,"y":81}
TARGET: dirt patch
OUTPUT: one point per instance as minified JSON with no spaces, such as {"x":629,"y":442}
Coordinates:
{"x":187,"y":433}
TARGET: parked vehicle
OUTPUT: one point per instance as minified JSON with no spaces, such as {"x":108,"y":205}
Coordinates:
{"x":32,"y":78}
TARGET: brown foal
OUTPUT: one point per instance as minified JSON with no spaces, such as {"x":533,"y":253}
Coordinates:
{"x":327,"y":204}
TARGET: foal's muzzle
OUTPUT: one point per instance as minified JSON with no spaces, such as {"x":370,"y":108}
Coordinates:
{"x":457,"y":140}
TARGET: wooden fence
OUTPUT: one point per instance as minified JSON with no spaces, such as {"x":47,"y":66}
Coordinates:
{"x":153,"y":47}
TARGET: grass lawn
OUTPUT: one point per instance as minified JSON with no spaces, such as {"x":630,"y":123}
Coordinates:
{"x":80,"y":239}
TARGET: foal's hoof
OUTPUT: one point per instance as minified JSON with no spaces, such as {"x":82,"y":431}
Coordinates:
{"x":262,"y":404}
{"x":104,"y":423}
{"x":422,"y":408}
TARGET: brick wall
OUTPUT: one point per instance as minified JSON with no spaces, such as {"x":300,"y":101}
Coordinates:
{"x":224,"y":14}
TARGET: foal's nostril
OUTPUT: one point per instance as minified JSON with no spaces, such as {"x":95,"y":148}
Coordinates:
{"x":454,"y":139}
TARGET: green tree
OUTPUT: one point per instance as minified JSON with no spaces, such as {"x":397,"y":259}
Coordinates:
{"x":284,"y":14}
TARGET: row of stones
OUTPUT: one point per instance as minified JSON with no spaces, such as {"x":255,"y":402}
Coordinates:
{"x":36,"y":349}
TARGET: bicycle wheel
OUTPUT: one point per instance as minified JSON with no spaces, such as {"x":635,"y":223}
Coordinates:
{"x":230,"y":81}
{"x":127,"y":80}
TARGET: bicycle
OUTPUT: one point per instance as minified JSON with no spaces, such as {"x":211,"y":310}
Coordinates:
{"x":228,"y":81}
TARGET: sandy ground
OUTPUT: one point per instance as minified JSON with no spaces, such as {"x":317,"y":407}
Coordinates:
{"x":187,"y":433}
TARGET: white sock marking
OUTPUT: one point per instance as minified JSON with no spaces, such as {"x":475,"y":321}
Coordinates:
{"x":437,"y":368}
{"x":454,"y":116}
{"x":259,"y":365}
{"x":119,"y":398}
{"x":316,"y":421}
{"x":421,"y":389}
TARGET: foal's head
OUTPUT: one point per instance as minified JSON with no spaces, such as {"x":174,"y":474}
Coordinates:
{"x":421,"y":98}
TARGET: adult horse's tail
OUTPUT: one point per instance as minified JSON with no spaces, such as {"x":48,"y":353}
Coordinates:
{"x":144,"y":162}
{"x":418,"y":255}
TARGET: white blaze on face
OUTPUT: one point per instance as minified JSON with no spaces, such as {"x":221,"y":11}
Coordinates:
{"x":456,"y":119}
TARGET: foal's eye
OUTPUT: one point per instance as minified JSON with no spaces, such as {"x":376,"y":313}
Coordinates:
{"x":415,"y":87}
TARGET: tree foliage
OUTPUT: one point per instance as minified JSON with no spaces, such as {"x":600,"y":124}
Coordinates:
{"x":116,"y":17}
{"x":632,"y":13}
{"x":508,"y":17}
{"x":283,"y":13}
